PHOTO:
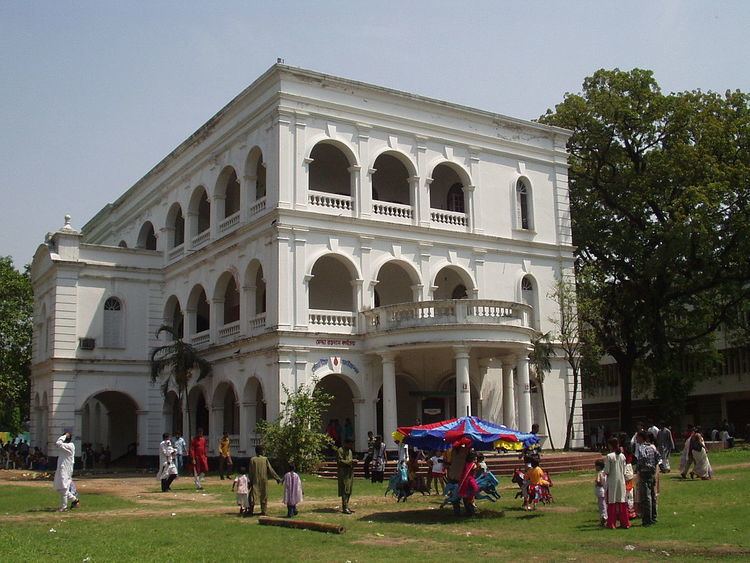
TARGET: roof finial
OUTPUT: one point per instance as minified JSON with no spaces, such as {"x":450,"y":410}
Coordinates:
{"x":67,"y":226}
{"x":279,"y":61}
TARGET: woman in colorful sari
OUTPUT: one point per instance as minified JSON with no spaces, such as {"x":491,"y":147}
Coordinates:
{"x":700,"y":456}
{"x":467,"y":487}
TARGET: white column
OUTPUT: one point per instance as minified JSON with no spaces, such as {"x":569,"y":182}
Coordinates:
{"x":509,"y":404}
{"x":524,"y":399}
{"x":390,"y":411}
{"x":463,"y":387}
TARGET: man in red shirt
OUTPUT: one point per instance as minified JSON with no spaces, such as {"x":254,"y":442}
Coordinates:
{"x":198,"y":447}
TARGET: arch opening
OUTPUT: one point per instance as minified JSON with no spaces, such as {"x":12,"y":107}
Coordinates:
{"x":395,"y":285}
{"x":147,"y":236}
{"x":329,"y":170}
{"x":176,"y":223}
{"x":452,"y":283}
{"x":338,"y":419}
{"x":110,"y":425}
{"x":199,"y":413}
{"x":390,"y":182}
{"x":447,"y":189}
{"x":331,"y":286}
{"x":199,"y":211}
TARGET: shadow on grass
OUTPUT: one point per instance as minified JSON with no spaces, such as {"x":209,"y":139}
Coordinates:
{"x":428,"y":517}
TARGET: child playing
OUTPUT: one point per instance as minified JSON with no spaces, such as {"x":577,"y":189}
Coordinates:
{"x":600,"y":491}
{"x":437,"y":474}
{"x":292,"y":491}
{"x":538,"y":483}
{"x":241,"y":488}
{"x":481,"y":466}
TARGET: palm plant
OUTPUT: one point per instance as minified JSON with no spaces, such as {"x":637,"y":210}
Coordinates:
{"x":542,"y":351}
{"x":177,"y":360}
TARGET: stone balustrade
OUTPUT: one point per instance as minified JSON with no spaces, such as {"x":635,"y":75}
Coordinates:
{"x":447,"y":312}
{"x":451,"y":218}
{"x":330,"y":202}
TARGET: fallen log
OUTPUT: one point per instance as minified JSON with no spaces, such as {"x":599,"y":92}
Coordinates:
{"x":301,"y":524}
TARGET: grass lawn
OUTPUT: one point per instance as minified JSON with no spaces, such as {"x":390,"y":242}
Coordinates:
{"x":127,"y":519}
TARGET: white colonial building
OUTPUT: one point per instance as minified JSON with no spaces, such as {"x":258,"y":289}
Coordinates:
{"x":394,"y":249}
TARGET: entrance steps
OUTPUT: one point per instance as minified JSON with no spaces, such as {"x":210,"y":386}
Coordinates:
{"x":500,"y":464}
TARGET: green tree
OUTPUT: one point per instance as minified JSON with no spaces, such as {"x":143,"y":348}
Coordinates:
{"x":177,"y":359}
{"x":16,"y":317}
{"x":541,"y":363}
{"x":659,"y":188}
{"x":295,"y":436}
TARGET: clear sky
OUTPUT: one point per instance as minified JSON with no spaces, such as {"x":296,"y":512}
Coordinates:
{"x":94,"y":93}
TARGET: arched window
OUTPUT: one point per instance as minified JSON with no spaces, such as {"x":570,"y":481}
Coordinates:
{"x":390,"y":181}
{"x":528,"y":296}
{"x":231,"y":302}
{"x":112,"y":336}
{"x":455,"y":200}
{"x":260,"y":293}
{"x":202,"y":313}
{"x":523,"y":205}
{"x":260,"y":179}
{"x":232,"y":195}
{"x":176,"y":222}
{"x":329,"y":170}
{"x":147,"y":236}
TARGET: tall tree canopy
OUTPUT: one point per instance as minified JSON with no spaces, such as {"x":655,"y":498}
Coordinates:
{"x":16,"y":310}
{"x":659,"y":189}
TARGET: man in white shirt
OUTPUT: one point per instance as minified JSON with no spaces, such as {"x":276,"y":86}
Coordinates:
{"x":64,"y":473}
{"x":180,"y":450}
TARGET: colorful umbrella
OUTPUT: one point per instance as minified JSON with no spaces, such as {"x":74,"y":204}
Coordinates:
{"x":484,"y":435}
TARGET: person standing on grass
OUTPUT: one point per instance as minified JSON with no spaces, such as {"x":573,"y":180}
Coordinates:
{"x":686,"y":458}
{"x":292,"y":491}
{"x":180,"y":450}
{"x":64,"y":473}
{"x":614,"y":468}
{"x":260,"y":470}
{"x":225,"y":456}
{"x":437,"y":474}
{"x":167,"y":468}
{"x":241,"y":488}
{"x":198,"y":458}
{"x":370,"y":453}
{"x":600,"y":491}
{"x":665,"y":445}
{"x":648,"y":461}
{"x":345,"y":474}
{"x":378,"y":468}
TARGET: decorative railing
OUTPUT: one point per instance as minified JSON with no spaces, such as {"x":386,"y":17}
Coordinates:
{"x":448,"y":217}
{"x":176,"y":252}
{"x":257,"y":323}
{"x":257,"y":207}
{"x":333,"y":202}
{"x":201,"y":338}
{"x":234,"y":442}
{"x":230,"y":222}
{"x":447,"y":312}
{"x":344,"y":322}
{"x":229,"y":330}
{"x":201,"y":238}
{"x":392,"y":210}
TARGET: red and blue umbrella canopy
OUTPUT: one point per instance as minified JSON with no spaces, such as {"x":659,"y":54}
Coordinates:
{"x":482,"y":433}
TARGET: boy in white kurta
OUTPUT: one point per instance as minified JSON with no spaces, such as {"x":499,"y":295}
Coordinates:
{"x":64,"y":473}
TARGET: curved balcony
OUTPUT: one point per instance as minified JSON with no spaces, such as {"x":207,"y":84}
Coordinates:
{"x":449,"y":320}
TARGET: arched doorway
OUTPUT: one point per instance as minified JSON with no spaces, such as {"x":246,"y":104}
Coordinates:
{"x":341,"y":408}
{"x":198,"y":411}
{"x":226,"y":409}
{"x":110,"y":422}
{"x":255,"y":404}
{"x":172,"y":413}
